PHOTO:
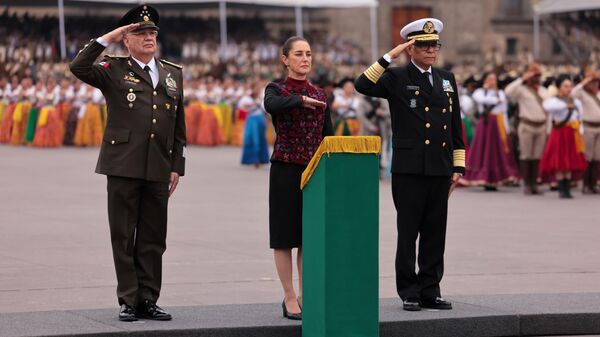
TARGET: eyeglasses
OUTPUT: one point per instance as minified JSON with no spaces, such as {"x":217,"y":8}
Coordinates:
{"x":426,"y":45}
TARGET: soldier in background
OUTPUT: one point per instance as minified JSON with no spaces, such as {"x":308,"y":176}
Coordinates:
{"x":588,"y":93}
{"x":528,"y":93}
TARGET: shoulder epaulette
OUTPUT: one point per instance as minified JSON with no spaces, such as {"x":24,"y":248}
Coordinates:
{"x":111,"y":56}
{"x":172,"y":64}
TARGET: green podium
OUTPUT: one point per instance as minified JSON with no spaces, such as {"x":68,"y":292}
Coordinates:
{"x":340,"y":236}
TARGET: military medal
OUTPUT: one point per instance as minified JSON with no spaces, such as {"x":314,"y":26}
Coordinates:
{"x":447,"y":86}
{"x":131,"y":97}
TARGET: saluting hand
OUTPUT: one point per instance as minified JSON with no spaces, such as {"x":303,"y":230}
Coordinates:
{"x":528,"y":75}
{"x":397,"y":51}
{"x":117,"y":34}
{"x":173,"y":181}
{"x":312,"y":103}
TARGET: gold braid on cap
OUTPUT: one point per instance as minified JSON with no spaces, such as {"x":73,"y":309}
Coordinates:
{"x":459,"y":158}
{"x":374,"y":72}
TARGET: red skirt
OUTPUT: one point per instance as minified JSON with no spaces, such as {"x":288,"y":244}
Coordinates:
{"x":561,"y":152}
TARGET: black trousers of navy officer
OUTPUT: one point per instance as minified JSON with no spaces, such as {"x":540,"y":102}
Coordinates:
{"x":422,"y":207}
{"x":137,"y":214}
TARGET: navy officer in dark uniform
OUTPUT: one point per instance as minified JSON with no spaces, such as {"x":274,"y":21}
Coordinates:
{"x":428,"y":157}
{"x":142,"y":153}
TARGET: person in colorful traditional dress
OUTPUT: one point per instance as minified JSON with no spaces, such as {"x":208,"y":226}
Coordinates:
{"x":490,"y":161}
{"x":428,"y":157}
{"x":468,"y":107}
{"x":563,"y":155}
{"x":528,"y":93}
{"x":49,"y":123}
{"x":23,"y":99}
{"x":301,"y":119}
{"x":345,"y":104}
{"x":588,"y":93}
{"x":37,"y":103}
{"x":255,"y":150}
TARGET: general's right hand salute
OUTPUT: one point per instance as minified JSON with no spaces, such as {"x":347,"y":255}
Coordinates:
{"x":118,"y":34}
{"x":399,"y":49}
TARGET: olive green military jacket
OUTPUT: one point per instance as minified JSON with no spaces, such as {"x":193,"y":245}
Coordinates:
{"x":145,"y":127}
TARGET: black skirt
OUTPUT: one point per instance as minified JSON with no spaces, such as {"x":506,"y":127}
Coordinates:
{"x":285,"y":205}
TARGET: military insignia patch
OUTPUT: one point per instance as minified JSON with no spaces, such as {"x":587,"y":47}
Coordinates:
{"x":428,"y":27}
{"x":131,"y":79}
{"x":413,"y":103}
{"x":131,"y":97}
{"x":447,"y":86}
{"x":171,"y":84}
{"x":104,"y":64}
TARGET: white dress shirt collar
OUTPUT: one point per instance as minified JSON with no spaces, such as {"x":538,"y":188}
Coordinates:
{"x":153,"y":69}
{"x":421,"y":69}
{"x":151,"y":64}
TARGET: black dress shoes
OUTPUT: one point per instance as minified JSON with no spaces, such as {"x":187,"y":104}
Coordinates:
{"x":289,"y":315}
{"x":411,"y":304}
{"x":436,"y":303}
{"x":127,"y":313}
{"x":149,"y":310}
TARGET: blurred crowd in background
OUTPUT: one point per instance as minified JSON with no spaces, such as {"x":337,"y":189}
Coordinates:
{"x":42,"y":104}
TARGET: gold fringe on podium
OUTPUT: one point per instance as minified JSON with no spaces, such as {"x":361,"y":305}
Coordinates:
{"x":341,"y":144}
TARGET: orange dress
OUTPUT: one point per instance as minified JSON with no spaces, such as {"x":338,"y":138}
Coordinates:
{"x":7,"y":123}
{"x":209,"y":129}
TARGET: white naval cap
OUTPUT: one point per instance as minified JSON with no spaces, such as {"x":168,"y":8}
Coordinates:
{"x":427,"y":29}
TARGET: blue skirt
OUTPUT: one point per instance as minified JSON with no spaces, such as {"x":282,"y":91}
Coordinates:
{"x":255,"y":149}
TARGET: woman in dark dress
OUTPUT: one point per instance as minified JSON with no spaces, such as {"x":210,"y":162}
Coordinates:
{"x":301,"y":119}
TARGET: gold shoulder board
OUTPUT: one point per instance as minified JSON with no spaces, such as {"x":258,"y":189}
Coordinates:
{"x":172,"y":64}
{"x":116,"y":56}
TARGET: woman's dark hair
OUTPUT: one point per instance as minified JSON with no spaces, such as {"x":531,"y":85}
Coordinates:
{"x":288,"y":44}
{"x":561,"y":78}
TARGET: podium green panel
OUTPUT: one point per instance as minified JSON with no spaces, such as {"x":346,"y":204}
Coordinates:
{"x":340,"y":239}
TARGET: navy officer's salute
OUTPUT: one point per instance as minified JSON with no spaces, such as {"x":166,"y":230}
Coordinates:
{"x":142,"y":153}
{"x":428,"y":157}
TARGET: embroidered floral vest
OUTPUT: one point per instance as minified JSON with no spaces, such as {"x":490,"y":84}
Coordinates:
{"x":299,"y":130}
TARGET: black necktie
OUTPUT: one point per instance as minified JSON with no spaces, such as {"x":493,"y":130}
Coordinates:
{"x":147,"y":70}
{"x":427,"y":79}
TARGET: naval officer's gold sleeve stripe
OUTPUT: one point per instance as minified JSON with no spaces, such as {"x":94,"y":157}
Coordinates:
{"x":374,"y":72}
{"x":459,"y":158}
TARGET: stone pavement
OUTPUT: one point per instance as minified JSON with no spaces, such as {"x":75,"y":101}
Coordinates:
{"x":477,"y":316}
{"x":55,"y":251}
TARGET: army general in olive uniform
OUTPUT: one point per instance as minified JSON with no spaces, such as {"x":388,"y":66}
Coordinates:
{"x":142,"y":153}
{"x":428,"y":157}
